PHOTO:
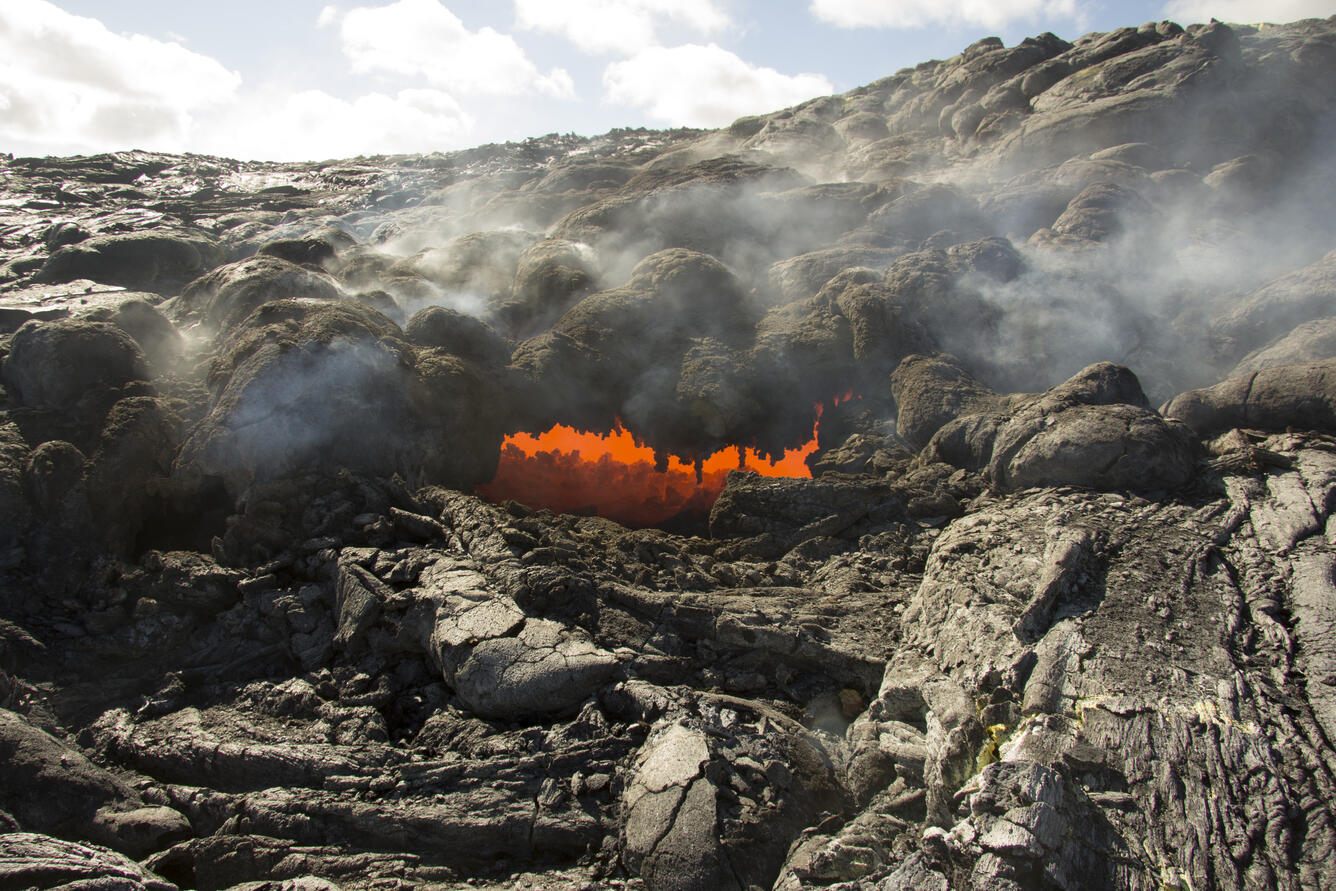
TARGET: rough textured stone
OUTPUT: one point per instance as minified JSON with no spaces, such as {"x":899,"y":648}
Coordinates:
{"x":154,"y":261}
{"x":930,"y":391}
{"x":56,"y":364}
{"x":50,"y":787}
{"x":1271,"y":399}
{"x":998,"y":639}
{"x":29,"y":860}
{"x":1309,"y":342}
{"x":228,"y":294}
{"x":307,"y":383}
{"x":1277,"y":308}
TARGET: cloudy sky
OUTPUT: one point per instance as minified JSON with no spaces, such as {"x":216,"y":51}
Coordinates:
{"x":307,"y":79}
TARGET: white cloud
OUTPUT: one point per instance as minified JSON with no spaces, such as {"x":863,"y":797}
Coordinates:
{"x":704,"y":86}
{"x":920,"y":13}
{"x":1185,"y":11}
{"x":328,"y":16}
{"x":423,"y":39}
{"x":618,"y":26}
{"x":69,"y":84}
{"x":314,"y":125}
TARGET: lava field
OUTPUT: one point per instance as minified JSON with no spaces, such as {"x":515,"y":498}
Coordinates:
{"x":924,"y":487}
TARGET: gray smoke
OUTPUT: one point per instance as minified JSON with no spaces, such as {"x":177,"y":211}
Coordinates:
{"x":1147,"y":182}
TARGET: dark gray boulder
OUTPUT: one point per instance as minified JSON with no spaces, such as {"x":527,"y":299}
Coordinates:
{"x":582,"y":175}
{"x":51,"y":787}
{"x":1309,"y":342}
{"x":481,"y":263}
{"x":1100,"y":212}
{"x":550,"y":276}
{"x":681,"y":830}
{"x":798,"y":278}
{"x":1275,"y":309}
{"x":542,"y":669}
{"x":944,"y":290}
{"x":1127,"y":86}
{"x":33,"y":860}
{"x":1272,"y":399}
{"x":793,"y":509}
{"x":162,"y":344}
{"x":1093,"y":430}
{"x":932,"y":390}
{"x":366,"y":267}
{"x":55,"y":364}
{"x":304,"y":385}
{"x":710,"y":206}
{"x":319,"y":247}
{"x":882,"y":333}
{"x":151,"y":261}
{"x":228,"y":294}
{"x":14,"y":505}
{"x":1116,"y":447}
{"x":54,"y":478}
{"x":618,"y":352}
{"x":134,"y":458}
{"x":457,"y":333}
{"x":919,"y":213}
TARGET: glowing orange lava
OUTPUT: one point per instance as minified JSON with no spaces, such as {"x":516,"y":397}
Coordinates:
{"x":613,"y":476}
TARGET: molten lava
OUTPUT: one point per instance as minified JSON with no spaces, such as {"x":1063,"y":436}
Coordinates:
{"x":613,"y":476}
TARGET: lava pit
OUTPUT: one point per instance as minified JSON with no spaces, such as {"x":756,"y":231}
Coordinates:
{"x":612,"y":475}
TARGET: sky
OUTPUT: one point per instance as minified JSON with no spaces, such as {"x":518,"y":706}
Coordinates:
{"x":310,"y":80}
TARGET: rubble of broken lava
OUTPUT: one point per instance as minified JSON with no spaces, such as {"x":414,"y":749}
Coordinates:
{"x":1050,"y":604}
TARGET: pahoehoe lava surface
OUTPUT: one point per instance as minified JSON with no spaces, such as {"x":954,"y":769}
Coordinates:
{"x":1056,"y":608}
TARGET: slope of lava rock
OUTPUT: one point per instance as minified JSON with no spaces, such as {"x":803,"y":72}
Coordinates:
{"x":1008,"y":625}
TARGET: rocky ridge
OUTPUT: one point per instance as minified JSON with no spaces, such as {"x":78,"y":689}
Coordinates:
{"x":1020,"y":629}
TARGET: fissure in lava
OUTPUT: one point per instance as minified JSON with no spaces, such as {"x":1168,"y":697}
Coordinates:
{"x":613,"y":476}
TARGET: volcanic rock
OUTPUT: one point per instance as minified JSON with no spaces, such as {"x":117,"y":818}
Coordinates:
{"x":32,"y":860}
{"x":752,"y":505}
{"x":940,"y":289}
{"x":162,"y":344}
{"x":1272,"y":399}
{"x":1101,"y":211}
{"x":931,"y":391}
{"x":481,"y":263}
{"x":1103,"y":447}
{"x":550,"y":276}
{"x":1093,"y":430}
{"x":151,"y":261}
{"x":53,"y":788}
{"x":918,"y":214}
{"x":259,"y":627}
{"x":1309,"y":342}
{"x":13,"y":499}
{"x":1131,"y":84}
{"x":881,"y":333}
{"x":133,"y":458}
{"x":457,"y":333}
{"x":623,"y":347}
{"x":805,"y":274}
{"x":1277,"y":308}
{"x":54,"y":364}
{"x":676,"y":832}
{"x":709,"y":207}
{"x":319,"y":247}
{"x":304,"y":384}
{"x":227,"y":295}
